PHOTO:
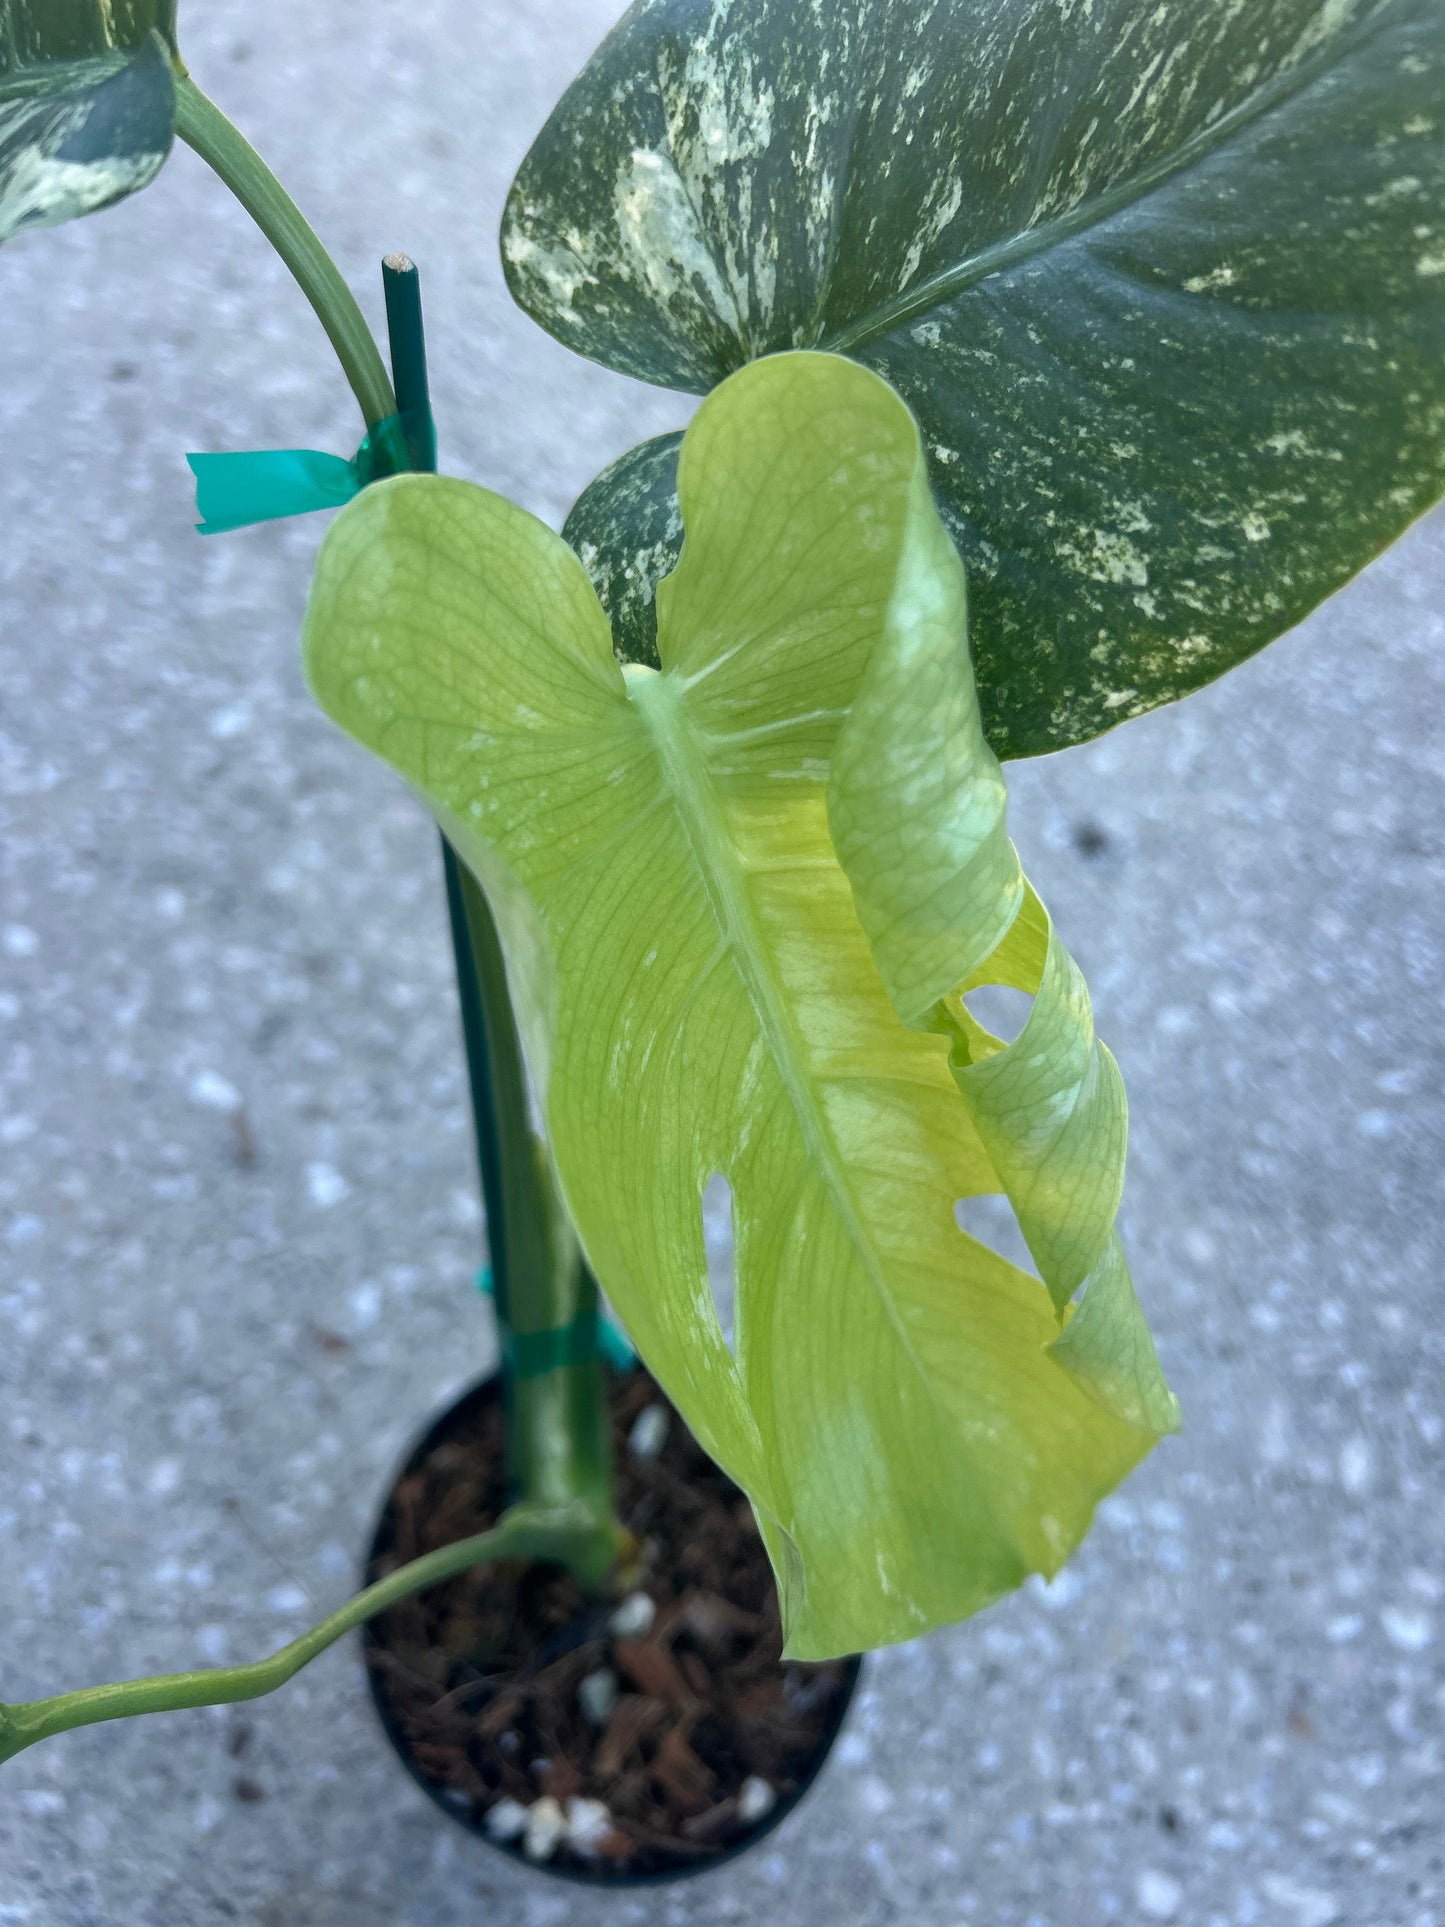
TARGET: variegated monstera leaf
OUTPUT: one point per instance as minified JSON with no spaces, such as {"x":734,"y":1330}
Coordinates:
{"x":745,"y":897}
{"x":1164,"y":284}
{"x":87,"y":105}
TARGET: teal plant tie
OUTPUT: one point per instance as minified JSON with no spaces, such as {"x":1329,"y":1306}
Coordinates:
{"x":235,"y":490}
{"x":534,"y":1354}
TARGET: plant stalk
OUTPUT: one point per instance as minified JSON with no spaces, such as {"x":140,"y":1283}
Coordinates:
{"x":558,"y":1438}
{"x":575,"y":1537}
{"x":202,"y":125}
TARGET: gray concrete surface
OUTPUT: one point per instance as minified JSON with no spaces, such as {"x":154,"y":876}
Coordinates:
{"x":1230,"y":1710}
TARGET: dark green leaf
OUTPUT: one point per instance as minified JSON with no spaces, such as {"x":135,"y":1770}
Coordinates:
{"x":1164,"y":286}
{"x":38,"y":30}
{"x":627,"y":528}
{"x":87,"y":105}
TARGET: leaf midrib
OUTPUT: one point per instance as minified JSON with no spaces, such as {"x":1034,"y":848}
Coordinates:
{"x":943,"y":286}
{"x":661,"y":701}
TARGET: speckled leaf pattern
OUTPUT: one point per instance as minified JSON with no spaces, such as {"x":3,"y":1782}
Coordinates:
{"x":743,"y":959}
{"x":627,"y":528}
{"x":87,"y":105}
{"x":1164,"y":286}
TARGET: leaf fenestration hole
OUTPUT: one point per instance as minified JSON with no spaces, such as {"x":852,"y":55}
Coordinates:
{"x":717,"y":1238}
{"x":990,"y":1219}
{"x":1000,"y":1009}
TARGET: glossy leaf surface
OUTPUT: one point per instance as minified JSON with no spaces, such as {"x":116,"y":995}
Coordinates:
{"x":87,"y":105}
{"x":1164,"y":286}
{"x":744,"y":899}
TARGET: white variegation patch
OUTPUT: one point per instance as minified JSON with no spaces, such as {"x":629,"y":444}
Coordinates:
{"x":559,"y":269}
{"x":39,"y":190}
{"x":660,"y":246}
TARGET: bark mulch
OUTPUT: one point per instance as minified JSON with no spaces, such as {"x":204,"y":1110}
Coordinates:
{"x":650,"y":1747}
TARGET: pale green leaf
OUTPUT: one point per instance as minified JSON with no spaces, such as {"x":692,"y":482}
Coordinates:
{"x":1163,"y":283}
{"x":751,"y":887}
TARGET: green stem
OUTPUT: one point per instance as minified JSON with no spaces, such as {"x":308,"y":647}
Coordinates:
{"x":204,"y":127}
{"x":576,"y":1537}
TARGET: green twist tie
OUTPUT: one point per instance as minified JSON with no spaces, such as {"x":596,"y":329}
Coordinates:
{"x":233,"y":491}
{"x":534,"y":1354}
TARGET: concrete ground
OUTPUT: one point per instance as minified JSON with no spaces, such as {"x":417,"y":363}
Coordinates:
{"x":216,"y":1334}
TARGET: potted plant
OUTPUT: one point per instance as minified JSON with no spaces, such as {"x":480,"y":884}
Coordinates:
{"x":1096,"y":349}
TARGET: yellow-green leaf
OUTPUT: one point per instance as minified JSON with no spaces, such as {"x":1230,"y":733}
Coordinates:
{"x":742,"y":896}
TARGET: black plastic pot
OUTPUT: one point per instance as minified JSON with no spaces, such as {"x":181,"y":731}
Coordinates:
{"x":486,"y":1392}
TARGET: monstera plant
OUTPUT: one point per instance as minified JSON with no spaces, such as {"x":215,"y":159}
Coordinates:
{"x":1056,"y":358}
